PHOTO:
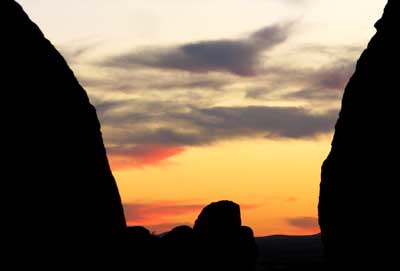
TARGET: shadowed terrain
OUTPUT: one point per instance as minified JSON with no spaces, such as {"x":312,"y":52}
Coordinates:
{"x":358,"y":196}
{"x":281,"y":252}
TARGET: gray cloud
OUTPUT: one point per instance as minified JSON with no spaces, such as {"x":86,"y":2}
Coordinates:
{"x":307,"y":223}
{"x":237,"y":56}
{"x":333,"y":76}
{"x":129,"y":83}
{"x":333,"y":51}
{"x":256,"y":93}
{"x":179,"y":125}
{"x":312,"y":94}
{"x":325,"y":83}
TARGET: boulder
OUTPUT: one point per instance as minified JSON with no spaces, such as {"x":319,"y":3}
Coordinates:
{"x":222,"y":242}
{"x":219,"y":220}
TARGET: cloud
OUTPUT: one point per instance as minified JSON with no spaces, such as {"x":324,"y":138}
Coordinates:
{"x":325,"y":83}
{"x":256,"y":93}
{"x":74,"y":52}
{"x":141,"y":155}
{"x":304,"y":223}
{"x":332,"y":51}
{"x":237,"y":56}
{"x":200,"y":126}
{"x":333,"y":76}
{"x":129,"y":83}
{"x":294,"y":2}
{"x":156,"y":212}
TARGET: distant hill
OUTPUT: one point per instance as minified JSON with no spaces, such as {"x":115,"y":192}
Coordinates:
{"x":281,"y":252}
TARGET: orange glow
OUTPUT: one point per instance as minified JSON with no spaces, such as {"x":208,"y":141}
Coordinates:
{"x":275,"y":182}
{"x":143,"y":155}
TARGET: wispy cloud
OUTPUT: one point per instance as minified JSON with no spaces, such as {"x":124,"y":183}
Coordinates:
{"x":156,"y":212}
{"x":139,"y":81}
{"x":325,"y":83}
{"x":294,"y":2}
{"x":140,"y":156}
{"x":74,"y":53}
{"x":304,"y":223}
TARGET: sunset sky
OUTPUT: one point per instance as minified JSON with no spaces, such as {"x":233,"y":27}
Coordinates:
{"x":207,"y":100}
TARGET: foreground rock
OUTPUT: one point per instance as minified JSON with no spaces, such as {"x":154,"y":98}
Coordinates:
{"x":217,"y":242}
{"x":224,"y":243}
{"x":358,"y":196}
{"x":61,"y":199}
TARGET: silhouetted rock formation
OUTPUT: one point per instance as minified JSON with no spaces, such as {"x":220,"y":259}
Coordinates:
{"x":179,"y":249}
{"x":219,"y":220}
{"x":224,"y":243}
{"x":218,"y":242}
{"x":60,"y":186}
{"x":358,"y":196}
{"x":139,"y":250}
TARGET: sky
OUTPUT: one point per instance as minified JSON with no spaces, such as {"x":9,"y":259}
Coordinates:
{"x":212,"y":100}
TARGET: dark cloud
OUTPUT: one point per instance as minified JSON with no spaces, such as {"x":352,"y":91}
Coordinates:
{"x":237,"y":56}
{"x":285,"y":122}
{"x":305,"y":223}
{"x":256,"y":93}
{"x":172,"y":125}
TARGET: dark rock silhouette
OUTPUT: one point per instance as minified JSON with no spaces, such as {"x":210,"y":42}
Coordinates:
{"x":219,"y":220}
{"x":223,"y":242}
{"x":179,"y":249}
{"x":139,"y":249}
{"x":358,"y":198}
{"x":60,"y":186}
{"x":217,"y":242}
